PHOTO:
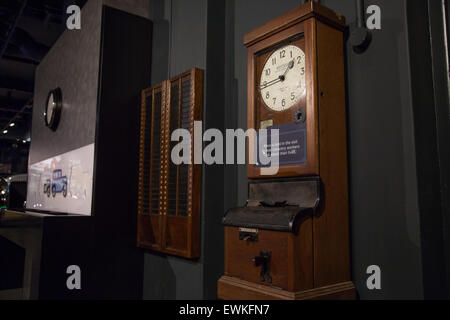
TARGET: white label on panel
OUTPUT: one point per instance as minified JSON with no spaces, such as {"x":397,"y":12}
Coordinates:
{"x":62,"y":183}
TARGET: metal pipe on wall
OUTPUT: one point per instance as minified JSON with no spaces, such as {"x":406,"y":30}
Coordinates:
{"x":360,"y":13}
{"x":360,"y":36}
{"x":446,"y":37}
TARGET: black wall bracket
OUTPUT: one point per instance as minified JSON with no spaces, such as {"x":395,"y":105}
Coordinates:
{"x":360,"y":36}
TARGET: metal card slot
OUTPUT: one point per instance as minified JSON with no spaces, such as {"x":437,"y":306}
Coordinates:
{"x":246,"y":234}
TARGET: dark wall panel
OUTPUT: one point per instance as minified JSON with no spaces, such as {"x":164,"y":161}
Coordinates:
{"x":438,"y":15}
{"x":428,"y":129}
{"x":125,"y":71}
{"x":214,"y":175}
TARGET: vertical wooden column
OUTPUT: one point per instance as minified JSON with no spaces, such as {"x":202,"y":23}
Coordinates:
{"x":331,"y":226}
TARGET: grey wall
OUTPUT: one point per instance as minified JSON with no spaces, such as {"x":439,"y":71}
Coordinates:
{"x":181,"y":26}
{"x":73,"y":65}
{"x":391,"y":224}
{"x":195,"y":32}
{"x":383,"y":186}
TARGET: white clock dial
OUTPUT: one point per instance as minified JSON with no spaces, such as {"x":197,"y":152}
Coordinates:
{"x":50,"y":108}
{"x":283,"y":80}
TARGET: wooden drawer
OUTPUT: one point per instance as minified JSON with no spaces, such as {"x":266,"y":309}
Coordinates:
{"x":240,"y":254}
{"x":290,"y":268}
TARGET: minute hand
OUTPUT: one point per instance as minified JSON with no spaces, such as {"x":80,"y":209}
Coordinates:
{"x":268,"y":84}
{"x":280,"y":78}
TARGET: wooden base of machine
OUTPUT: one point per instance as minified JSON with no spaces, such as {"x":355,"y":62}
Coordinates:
{"x":230,"y":288}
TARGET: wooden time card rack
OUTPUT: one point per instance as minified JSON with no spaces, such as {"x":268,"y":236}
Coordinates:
{"x":169,"y":195}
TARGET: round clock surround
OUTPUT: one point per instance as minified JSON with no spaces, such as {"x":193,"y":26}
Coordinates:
{"x":283,"y":78}
{"x":53,"y":109}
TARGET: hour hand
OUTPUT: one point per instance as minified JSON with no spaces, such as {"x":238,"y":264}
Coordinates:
{"x":290,"y":66}
{"x":268,"y":84}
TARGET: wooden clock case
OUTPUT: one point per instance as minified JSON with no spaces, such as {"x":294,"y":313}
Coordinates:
{"x":309,"y":255}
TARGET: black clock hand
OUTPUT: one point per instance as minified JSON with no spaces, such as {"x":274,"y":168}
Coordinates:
{"x":280,"y":78}
{"x":290,"y":66}
{"x":268,"y":84}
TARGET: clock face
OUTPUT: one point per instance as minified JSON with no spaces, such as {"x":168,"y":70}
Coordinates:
{"x":50,"y":108}
{"x":53,"y":109}
{"x":283,"y":80}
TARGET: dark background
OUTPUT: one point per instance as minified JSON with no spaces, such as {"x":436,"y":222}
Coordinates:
{"x":100,"y":70}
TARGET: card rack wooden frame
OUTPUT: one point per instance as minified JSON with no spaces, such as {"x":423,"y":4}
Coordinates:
{"x":169,"y":195}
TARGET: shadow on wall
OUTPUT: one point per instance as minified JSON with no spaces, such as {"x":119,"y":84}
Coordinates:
{"x":164,"y":290}
{"x":383,"y":186}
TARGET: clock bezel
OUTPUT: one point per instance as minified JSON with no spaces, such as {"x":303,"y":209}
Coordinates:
{"x":264,"y":112}
{"x":57,"y":110}
{"x":288,"y":42}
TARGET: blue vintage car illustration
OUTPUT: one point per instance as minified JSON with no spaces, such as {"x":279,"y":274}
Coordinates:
{"x":58,"y":184}
{"x":47,"y":186}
